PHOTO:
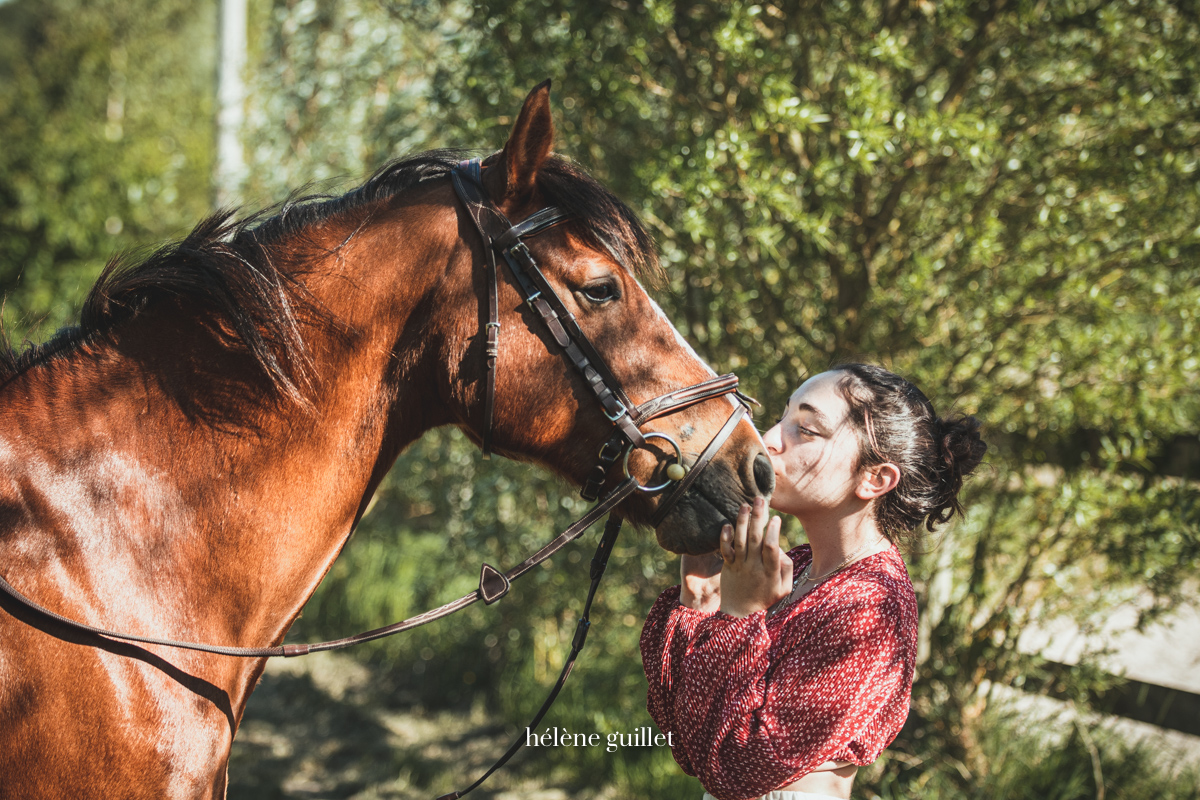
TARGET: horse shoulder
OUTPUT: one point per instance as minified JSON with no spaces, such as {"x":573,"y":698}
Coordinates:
{"x":125,"y":719}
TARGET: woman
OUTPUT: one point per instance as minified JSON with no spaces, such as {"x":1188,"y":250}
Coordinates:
{"x":785,"y":685}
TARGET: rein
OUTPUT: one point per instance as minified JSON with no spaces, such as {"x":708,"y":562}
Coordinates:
{"x":493,"y":585}
{"x":507,"y":240}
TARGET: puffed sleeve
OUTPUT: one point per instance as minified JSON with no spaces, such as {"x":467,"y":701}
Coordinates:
{"x":753,"y":708}
{"x":669,"y":628}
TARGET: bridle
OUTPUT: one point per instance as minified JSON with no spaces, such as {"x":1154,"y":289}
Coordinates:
{"x":499,"y":236}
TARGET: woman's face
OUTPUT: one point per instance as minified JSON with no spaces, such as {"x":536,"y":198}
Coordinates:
{"x":814,"y":450}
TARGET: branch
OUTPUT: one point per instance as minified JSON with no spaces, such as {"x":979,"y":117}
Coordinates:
{"x":966,"y":67}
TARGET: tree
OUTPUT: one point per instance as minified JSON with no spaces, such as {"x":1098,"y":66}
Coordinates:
{"x":106,"y":124}
{"x":996,"y":199}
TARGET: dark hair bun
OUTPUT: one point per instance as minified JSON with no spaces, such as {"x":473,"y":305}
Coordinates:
{"x":962,"y":446}
{"x":962,"y":450}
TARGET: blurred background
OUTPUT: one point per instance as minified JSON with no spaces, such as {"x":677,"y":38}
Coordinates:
{"x":997,"y":199}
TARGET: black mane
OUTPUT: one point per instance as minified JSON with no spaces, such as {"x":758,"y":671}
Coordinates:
{"x":227,"y":265}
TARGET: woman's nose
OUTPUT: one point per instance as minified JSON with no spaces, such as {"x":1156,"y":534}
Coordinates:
{"x":772,"y":440}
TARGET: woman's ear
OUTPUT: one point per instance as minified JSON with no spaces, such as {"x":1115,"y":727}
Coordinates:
{"x":878,"y":481}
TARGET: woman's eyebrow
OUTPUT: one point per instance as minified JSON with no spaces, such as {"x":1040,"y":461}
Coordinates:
{"x":820,"y":418}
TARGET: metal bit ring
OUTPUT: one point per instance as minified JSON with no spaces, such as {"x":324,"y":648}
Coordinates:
{"x":678,"y":463}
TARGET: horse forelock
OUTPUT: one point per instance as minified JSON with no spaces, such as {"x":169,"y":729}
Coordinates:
{"x":601,"y":216}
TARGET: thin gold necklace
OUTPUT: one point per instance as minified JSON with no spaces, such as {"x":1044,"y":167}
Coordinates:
{"x":803,"y":578}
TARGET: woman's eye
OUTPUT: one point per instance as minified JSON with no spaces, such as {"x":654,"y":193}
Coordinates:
{"x":600,"y":292}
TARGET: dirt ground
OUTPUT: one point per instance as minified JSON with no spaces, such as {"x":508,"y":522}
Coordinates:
{"x":324,"y":726}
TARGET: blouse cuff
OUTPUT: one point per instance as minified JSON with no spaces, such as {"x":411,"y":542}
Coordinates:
{"x":668,"y":605}
{"x":733,"y":635}
{"x":689,"y":613}
{"x":720,"y":622}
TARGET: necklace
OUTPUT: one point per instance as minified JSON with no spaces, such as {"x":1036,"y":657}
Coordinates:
{"x":803,"y":578}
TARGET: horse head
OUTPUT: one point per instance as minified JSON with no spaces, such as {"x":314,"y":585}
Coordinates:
{"x":544,"y":410}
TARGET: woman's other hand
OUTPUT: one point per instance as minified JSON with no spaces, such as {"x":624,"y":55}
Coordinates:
{"x":756,"y":573}
{"x":700,"y":582}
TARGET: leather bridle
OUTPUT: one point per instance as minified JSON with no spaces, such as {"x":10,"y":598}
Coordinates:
{"x":501,"y":237}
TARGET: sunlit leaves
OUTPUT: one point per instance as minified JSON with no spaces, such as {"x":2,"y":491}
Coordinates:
{"x":106,"y":129}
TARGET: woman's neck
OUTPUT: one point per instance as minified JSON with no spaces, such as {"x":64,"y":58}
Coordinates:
{"x":837,"y":540}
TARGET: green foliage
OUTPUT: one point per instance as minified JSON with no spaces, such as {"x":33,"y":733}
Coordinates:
{"x":340,"y":88}
{"x":997,"y":200}
{"x":106,"y":118}
{"x":1029,"y":755}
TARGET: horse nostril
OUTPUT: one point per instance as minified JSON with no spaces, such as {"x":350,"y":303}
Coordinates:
{"x":764,"y":474}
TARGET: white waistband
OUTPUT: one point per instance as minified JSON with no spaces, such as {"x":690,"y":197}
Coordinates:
{"x":782,"y":795}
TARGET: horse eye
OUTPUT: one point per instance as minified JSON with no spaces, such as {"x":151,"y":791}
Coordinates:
{"x":601,"y":292}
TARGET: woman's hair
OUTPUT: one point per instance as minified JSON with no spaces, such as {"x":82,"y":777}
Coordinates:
{"x":896,"y":424}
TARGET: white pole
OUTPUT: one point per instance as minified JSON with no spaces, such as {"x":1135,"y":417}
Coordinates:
{"x":230,"y":168}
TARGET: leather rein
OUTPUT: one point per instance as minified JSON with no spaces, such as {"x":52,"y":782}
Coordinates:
{"x":501,"y":237}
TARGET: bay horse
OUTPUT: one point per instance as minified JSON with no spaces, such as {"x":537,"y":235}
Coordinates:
{"x":190,"y":459}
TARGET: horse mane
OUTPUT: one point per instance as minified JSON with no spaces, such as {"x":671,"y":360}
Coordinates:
{"x":230,"y":266}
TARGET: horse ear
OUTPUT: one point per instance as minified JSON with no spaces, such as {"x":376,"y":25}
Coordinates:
{"x":529,"y":144}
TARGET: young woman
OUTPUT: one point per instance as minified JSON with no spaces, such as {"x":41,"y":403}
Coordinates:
{"x":780,"y":674}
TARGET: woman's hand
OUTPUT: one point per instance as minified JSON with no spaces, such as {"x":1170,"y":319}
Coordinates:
{"x":700,"y":581}
{"x":756,"y":573}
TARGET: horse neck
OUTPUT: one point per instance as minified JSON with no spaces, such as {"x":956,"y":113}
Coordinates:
{"x":246,"y":503}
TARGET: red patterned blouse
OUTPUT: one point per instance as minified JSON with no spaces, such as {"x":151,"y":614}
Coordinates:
{"x":756,"y":703}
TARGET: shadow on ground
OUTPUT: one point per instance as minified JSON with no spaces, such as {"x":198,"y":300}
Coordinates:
{"x":325,"y":727}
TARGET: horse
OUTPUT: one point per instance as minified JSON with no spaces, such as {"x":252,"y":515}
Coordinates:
{"x":189,"y":460}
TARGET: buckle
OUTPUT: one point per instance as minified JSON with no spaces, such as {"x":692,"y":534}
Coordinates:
{"x":610,"y":451}
{"x":615,"y":418}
